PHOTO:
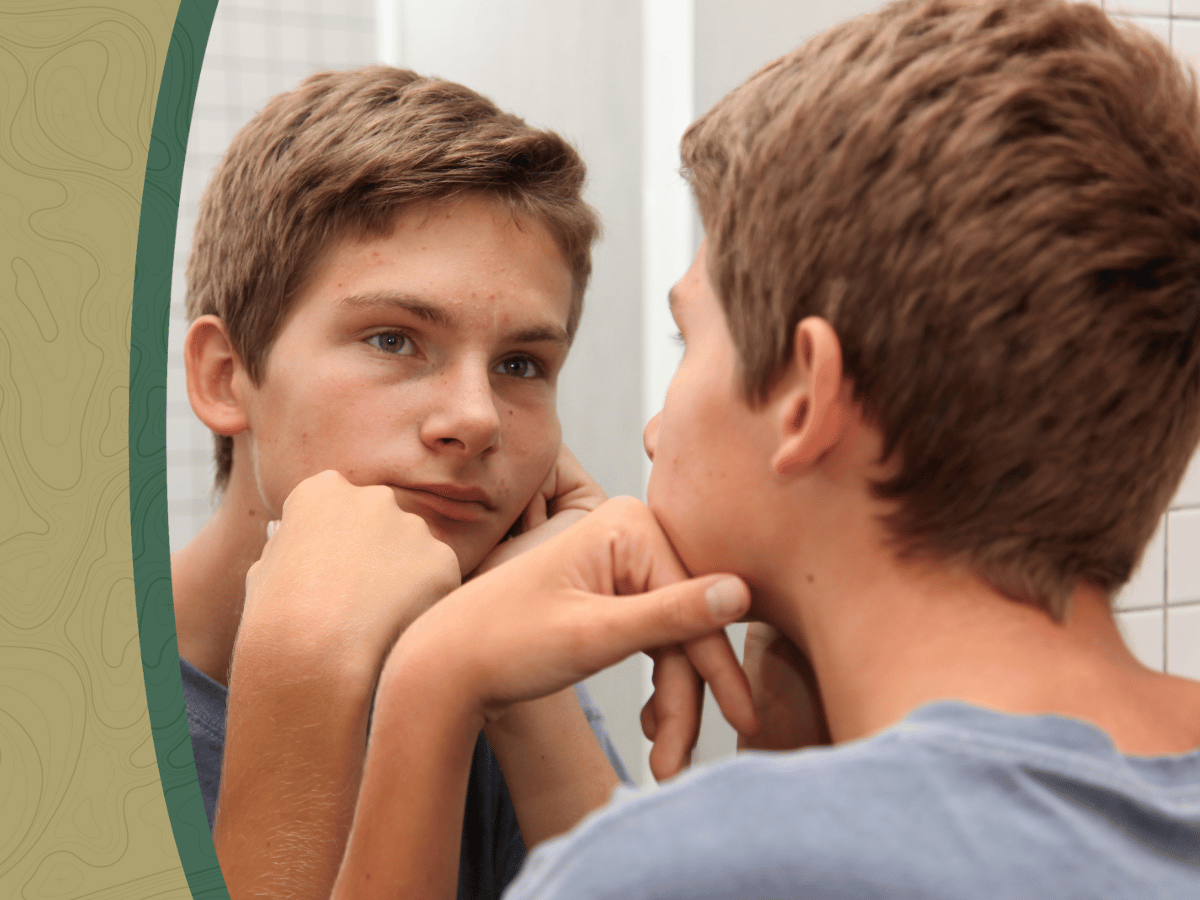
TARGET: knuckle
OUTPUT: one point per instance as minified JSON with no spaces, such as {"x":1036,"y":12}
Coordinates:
{"x":329,"y":478}
{"x":576,"y":635}
{"x":624,"y":506}
{"x":673,"y":612}
{"x":442,"y":563}
{"x":381,"y":502}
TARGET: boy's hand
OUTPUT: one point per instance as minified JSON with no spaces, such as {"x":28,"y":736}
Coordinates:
{"x":347,"y":571}
{"x":344,"y":574}
{"x":605,"y":588}
{"x":553,"y":617}
{"x":566,"y":496}
{"x":555,"y":770}
{"x":786,"y":695}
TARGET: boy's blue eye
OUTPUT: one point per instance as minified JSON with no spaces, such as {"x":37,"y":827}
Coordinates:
{"x":677,"y":337}
{"x":518,"y":367}
{"x":392,"y":342}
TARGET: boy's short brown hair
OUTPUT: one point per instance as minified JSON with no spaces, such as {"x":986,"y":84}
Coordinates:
{"x":996,"y":205}
{"x":342,"y":154}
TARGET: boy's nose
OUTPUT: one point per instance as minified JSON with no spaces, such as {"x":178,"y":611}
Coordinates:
{"x":650,"y":435}
{"x":465,"y":415}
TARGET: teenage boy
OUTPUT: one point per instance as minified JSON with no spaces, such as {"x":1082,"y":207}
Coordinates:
{"x":386,"y":276}
{"x":941,"y":378}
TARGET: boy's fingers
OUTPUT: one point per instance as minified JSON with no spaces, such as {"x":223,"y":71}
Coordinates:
{"x":665,"y":618}
{"x":671,"y":615}
{"x":678,"y":694}
{"x":649,"y":722}
{"x":535,"y":513}
{"x":573,"y":487}
{"x":713,"y":658}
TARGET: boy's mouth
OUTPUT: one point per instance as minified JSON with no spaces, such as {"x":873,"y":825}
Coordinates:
{"x":462,"y":504}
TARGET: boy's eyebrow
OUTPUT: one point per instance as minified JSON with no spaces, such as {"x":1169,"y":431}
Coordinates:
{"x":673,"y":303}
{"x":422,"y":309}
{"x":539,"y":334}
{"x":551,"y":333}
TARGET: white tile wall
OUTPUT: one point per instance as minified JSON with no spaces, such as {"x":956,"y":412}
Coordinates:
{"x":1183,"y":566}
{"x":1183,"y":639}
{"x":1189,"y":491}
{"x":1159,"y":610}
{"x":1143,"y":631}
{"x":1139,"y":7}
{"x":1185,"y":40}
{"x":1148,"y":585}
{"x":1159,"y":26}
{"x":256,"y":49}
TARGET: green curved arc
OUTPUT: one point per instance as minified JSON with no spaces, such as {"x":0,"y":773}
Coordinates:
{"x":147,"y":448}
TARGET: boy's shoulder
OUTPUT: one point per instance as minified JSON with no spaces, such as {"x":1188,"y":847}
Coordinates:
{"x":952,"y":797}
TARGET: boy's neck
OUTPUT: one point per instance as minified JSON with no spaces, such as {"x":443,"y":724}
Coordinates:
{"x":886,"y":638}
{"x":208,"y":579}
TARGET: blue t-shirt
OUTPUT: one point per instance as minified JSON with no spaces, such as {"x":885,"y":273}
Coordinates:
{"x":492,"y":848}
{"x":953,"y":802}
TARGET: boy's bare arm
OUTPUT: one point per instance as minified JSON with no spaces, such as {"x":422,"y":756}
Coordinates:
{"x":555,"y":770}
{"x":314,"y":634}
{"x":534,"y":626}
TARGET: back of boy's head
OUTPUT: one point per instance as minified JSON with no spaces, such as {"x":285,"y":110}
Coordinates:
{"x":996,"y":205}
{"x":341,"y":155}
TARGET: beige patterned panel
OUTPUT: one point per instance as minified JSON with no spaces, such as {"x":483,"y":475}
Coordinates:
{"x":81,"y":810}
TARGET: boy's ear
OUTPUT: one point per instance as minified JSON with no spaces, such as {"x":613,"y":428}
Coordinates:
{"x":213,"y":374}
{"x":811,"y":406}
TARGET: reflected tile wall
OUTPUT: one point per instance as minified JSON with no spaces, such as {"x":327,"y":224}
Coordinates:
{"x":1160,"y":607}
{"x":257,"y":48}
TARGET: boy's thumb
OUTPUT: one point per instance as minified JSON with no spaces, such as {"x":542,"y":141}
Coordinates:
{"x":727,"y":598}
{"x":681,"y":611}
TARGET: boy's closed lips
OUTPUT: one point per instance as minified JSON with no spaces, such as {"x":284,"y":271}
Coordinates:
{"x":459,"y":503}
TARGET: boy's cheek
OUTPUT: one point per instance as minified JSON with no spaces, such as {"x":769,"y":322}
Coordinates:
{"x":472,"y":549}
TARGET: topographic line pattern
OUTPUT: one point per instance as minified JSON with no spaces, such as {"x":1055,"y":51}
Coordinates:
{"x":82,"y":810}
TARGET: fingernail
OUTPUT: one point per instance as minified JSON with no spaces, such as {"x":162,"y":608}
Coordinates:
{"x":725,"y":597}
{"x":271,"y":527}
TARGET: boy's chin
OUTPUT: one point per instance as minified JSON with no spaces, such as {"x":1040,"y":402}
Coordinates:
{"x":688,"y":546}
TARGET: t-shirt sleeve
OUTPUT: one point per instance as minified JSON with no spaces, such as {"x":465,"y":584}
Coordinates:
{"x":493,"y":850}
{"x":206,"y":703}
{"x":596,"y":721}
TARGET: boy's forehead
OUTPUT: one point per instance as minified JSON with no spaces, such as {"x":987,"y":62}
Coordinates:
{"x":684,"y":293}
{"x":445,"y":261}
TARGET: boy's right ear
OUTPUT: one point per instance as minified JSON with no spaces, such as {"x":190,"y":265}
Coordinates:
{"x":214,"y":372}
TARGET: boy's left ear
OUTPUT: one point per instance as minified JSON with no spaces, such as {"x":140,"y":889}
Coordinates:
{"x":810,"y":403}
